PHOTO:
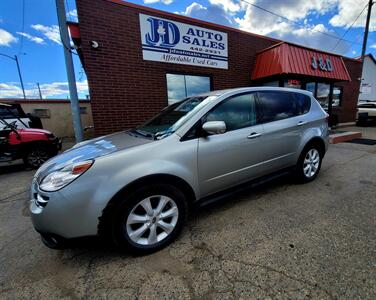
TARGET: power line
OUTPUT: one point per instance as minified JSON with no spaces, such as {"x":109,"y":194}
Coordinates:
{"x":295,"y":22}
{"x":343,"y":35}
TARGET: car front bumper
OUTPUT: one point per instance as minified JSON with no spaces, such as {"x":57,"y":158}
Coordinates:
{"x":68,"y":213}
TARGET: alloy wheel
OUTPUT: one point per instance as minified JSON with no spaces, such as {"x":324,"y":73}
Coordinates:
{"x":152,"y":220}
{"x":311,"y":163}
{"x":37,"y":157}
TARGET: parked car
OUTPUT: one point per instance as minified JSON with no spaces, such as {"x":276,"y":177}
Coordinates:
{"x":11,"y":112}
{"x":366,"y":113}
{"x":34,"y":146}
{"x":136,"y":187}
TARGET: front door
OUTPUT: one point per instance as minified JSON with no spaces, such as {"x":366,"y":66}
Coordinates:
{"x":227,"y":159}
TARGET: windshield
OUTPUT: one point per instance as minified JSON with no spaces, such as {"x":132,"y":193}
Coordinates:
{"x":173,"y":116}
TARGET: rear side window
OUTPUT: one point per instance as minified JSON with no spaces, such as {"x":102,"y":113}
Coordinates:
{"x":276,"y":105}
{"x":303,"y":103}
{"x":237,"y":112}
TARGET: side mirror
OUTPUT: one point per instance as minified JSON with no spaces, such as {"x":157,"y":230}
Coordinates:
{"x":214,"y":127}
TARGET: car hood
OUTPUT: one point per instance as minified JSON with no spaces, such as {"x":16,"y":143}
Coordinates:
{"x":91,"y":149}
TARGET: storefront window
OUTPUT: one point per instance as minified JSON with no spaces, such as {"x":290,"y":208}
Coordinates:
{"x":311,"y":86}
{"x":293,"y":83}
{"x":337,"y":96}
{"x":323,"y":91}
{"x":271,"y":83}
{"x":183,"y":86}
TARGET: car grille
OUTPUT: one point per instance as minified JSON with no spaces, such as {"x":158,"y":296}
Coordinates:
{"x":40,"y":200}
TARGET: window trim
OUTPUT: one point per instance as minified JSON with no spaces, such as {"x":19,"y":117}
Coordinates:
{"x":199,"y":123}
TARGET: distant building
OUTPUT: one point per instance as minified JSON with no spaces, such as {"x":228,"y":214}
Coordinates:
{"x":368,"y":82}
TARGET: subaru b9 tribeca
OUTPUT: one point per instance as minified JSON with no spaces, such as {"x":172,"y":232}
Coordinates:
{"x":135,"y":187}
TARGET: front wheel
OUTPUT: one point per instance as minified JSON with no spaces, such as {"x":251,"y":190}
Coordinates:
{"x":36,"y":156}
{"x":149,"y":219}
{"x":309,"y":164}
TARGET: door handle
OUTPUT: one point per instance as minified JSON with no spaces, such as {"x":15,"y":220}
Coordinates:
{"x":253,"y":135}
{"x":300,"y":123}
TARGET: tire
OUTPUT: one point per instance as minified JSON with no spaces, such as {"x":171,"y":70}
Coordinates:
{"x":309,"y":163}
{"x":36,"y":156}
{"x":141,"y":224}
{"x":54,"y":242}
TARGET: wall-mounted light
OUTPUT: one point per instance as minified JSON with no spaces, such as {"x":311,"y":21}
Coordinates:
{"x":94,"y":44}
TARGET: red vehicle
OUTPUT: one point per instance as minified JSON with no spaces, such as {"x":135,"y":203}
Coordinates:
{"x":33,"y":145}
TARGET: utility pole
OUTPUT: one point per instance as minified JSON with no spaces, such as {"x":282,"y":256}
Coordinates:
{"x":15,"y":58}
{"x":19,"y":74}
{"x":40,"y":93}
{"x":370,"y":3}
{"x":75,"y":107}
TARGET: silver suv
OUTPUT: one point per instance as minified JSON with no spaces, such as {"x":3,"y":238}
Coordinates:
{"x":136,"y":186}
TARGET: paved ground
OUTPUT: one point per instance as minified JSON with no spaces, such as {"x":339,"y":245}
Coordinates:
{"x":281,"y":241}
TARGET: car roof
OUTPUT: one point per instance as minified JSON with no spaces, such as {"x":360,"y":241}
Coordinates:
{"x":254,"y":89}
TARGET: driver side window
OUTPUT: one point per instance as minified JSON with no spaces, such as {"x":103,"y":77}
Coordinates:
{"x":237,"y":112}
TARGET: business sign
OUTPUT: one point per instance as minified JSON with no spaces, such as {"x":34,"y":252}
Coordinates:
{"x":179,"y":43}
{"x":324,"y":65}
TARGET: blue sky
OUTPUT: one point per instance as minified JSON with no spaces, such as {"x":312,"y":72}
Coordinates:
{"x":313,"y":23}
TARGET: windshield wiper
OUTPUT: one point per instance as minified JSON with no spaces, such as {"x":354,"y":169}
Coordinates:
{"x":142,"y":133}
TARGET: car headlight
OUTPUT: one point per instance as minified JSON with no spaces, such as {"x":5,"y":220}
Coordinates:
{"x":61,"y":178}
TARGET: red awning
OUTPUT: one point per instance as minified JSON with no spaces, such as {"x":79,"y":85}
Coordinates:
{"x":285,"y":58}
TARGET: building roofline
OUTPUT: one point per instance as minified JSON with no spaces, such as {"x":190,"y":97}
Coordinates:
{"x":304,"y":47}
{"x":185,"y":18}
{"x":371,"y":57}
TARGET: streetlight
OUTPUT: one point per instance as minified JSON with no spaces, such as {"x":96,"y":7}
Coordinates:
{"x":15,"y":58}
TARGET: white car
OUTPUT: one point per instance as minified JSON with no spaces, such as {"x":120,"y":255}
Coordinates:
{"x":366,"y":112}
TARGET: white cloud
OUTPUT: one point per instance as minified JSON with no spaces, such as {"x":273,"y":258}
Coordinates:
{"x":301,"y":29}
{"x":49,"y":90}
{"x":228,"y":5}
{"x":167,"y":2}
{"x":373,"y":46}
{"x":212,"y":13}
{"x":6,"y":38}
{"x":72,"y":15}
{"x":50,"y":32}
{"x":348,"y":11}
{"x":32,"y":38}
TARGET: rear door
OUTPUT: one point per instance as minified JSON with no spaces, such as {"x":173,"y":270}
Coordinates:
{"x":282,"y":128}
{"x":230,"y":158}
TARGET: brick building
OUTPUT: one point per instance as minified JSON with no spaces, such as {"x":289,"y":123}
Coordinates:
{"x":139,"y":59}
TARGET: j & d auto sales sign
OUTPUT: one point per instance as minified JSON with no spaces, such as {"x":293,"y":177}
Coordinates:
{"x":174,"y":42}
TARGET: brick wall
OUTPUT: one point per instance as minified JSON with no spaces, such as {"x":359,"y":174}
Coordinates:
{"x":125,"y":90}
{"x":347,"y":111}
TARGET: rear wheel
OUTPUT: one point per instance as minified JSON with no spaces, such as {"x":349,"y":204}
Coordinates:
{"x":36,"y":156}
{"x":309,"y":163}
{"x":149,"y":219}
{"x":54,"y":242}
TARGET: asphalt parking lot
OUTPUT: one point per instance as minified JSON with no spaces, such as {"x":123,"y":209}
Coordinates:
{"x":280,"y":240}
